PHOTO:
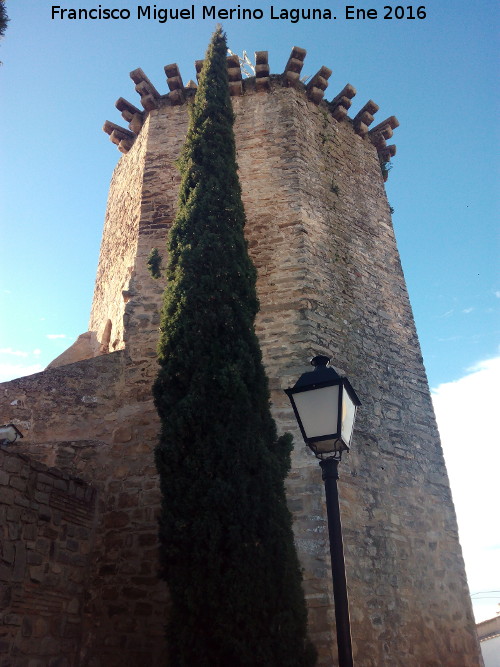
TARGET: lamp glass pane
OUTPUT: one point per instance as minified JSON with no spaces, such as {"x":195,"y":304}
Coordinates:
{"x":318,"y":410}
{"x":8,"y":433}
{"x":348,"y":414}
{"x":328,"y":446}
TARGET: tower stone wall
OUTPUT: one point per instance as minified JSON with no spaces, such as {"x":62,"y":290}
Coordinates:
{"x":330,"y":282}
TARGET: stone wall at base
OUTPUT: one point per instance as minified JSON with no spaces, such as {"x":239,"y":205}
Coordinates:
{"x":47,"y":528}
{"x":104,"y":432}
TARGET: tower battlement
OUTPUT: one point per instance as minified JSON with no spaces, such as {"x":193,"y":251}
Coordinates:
{"x":263,"y":81}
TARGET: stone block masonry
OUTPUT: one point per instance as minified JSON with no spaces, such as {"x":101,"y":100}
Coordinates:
{"x":88,"y":419}
{"x":47,"y":530}
{"x":329,"y":282}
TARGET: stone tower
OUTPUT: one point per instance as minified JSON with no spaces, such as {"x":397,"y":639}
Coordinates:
{"x":330,"y":282}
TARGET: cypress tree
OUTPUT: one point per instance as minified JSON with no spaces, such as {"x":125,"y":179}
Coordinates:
{"x":4,"y":19}
{"x":227,"y":550}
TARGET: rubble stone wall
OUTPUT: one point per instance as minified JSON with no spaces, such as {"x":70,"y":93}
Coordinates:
{"x":47,"y":530}
{"x":104,"y":429}
{"x":118,"y":249}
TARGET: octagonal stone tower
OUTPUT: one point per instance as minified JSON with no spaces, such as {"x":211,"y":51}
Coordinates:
{"x":329,"y":282}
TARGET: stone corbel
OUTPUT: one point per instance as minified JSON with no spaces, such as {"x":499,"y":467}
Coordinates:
{"x":175,"y":84}
{"x":385,"y":154}
{"x":234,"y":75}
{"x":149,"y":94}
{"x":364,"y":118}
{"x":316,"y":87}
{"x":120,"y":136}
{"x":294,"y":66}
{"x":262,"y":80}
{"x":131,"y":114}
{"x":341,"y":104}
{"x":383,"y":131}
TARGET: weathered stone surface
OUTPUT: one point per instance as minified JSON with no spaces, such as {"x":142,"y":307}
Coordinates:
{"x":330,"y":281}
{"x":116,"y":132}
{"x":318,"y":84}
{"x":294,"y":66}
{"x":37,"y":584}
{"x":340,"y":104}
{"x":86,"y":346}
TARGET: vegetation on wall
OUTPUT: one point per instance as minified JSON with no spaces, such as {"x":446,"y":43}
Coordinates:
{"x":385,"y":168}
{"x":227,"y":549}
{"x":4,"y":19}
{"x":154,"y":263}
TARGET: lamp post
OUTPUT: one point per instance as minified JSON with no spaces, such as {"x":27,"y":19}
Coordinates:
{"x":9,"y":434}
{"x":325,"y":406}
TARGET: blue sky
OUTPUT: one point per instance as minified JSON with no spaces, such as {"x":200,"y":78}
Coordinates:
{"x":60,"y":79}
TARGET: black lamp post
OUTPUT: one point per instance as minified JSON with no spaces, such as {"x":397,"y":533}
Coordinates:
{"x":325,"y":406}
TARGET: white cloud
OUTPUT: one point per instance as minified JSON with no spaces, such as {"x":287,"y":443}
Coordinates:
{"x":54,"y":336}
{"x":37,"y":352}
{"x":490,"y":365}
{"x":466,"y":311}
{"x":469,"y":423}
{"x":13,"y":371}
{"x":497,"y":294}
{"x":15,"y":353}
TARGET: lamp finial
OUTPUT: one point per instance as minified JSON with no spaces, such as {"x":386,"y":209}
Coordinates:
{"x":320,"y":360}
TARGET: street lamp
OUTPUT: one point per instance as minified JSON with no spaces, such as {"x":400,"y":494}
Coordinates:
{"x":325,"y":406}
{"x":9,"y":434}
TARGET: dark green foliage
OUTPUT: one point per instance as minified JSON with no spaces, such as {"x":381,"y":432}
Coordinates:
{"x":4,"y":19}
{"x":154,"y":263}
{"x":227,"y":550}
